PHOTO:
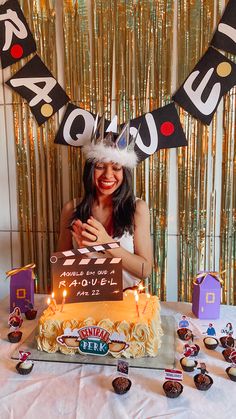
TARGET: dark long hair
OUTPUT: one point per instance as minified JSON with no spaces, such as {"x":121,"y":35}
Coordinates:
{"x":123,"y":201}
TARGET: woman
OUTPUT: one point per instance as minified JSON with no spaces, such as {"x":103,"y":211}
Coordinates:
{"x":109,"y":211}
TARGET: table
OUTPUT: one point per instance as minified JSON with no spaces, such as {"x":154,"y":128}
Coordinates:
{"x":58,"y":390}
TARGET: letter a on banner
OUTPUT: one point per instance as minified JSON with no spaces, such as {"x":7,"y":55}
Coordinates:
{"x":200,"y":94}
{"x":36,"y":84}
{"x":225,"y":35}
{"x":16,"y":40}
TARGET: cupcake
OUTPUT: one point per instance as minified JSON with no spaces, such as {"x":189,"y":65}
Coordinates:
{"x":24,"y":367}
{"x":121,"y":385}
{"x":172,"y":389}
{"x":185,"y":334}
{"x":227,"y":341}
{"x":203,"y":381}
{"x":231,"y":371}
{"x":188,"y":364}
{"x":31,"y":314}
{"x":211,"y":343}
{"x":15,"y":336}
{"x":226,"y":354}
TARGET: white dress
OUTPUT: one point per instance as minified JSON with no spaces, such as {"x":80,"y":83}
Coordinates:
{"x":127,"y":242}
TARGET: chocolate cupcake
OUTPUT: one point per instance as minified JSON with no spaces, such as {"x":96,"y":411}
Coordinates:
{"x":25,"y":367}
{"x":203,"y":381}
{"x":15,"y":336}
{"x":172,"y":389}
{"x":188,"y":364}
{"x":121,"y":385}
{"x":227,"y":341}
{"x":210,"y":343}
{"x":231,"y":371}
{"x":185,"y":334}
{"x":226,"y":354}
{"x":31,"y":314}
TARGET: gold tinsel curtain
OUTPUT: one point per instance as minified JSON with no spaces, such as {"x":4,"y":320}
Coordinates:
{"x":118,"y":58}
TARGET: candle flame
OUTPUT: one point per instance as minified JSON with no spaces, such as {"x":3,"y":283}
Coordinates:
{"x":48,"y":301}
{"x":148,"y":295}
{"x":53,"y":294}
{"x":64,"y":293}
{"x":141,"y":287}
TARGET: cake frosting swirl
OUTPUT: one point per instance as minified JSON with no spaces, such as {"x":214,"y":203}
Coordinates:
{"x":142,"y":332}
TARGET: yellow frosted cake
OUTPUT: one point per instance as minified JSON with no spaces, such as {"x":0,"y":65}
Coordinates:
{"x":121,"y":328}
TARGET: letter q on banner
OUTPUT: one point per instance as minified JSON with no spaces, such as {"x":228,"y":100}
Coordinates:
{"x":16,"y":40}
{"x":36,"y":84}
{"x":200,"y":94}
{"x":225,"y":34}
{"x":76,"y":127}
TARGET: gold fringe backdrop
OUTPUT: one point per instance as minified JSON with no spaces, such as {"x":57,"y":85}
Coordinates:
{"x":118,"y":59}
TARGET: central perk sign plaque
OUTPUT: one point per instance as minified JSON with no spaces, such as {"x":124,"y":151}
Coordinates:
{"x":87,"y":278}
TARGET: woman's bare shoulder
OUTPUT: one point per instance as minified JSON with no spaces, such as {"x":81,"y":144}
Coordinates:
{"x":141,"y":208}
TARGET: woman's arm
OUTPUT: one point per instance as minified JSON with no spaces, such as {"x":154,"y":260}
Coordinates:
{"x":65,"y":237}
{"x":138,"y":263}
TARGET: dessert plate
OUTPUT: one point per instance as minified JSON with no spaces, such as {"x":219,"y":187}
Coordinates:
{"x":164,"y":359}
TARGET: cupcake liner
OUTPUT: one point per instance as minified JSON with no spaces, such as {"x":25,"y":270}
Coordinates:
{"x":23,"y":371}
{"x":188,"y":368}
{"x":121,"y":385}
{"x":211,"y":347}
{"x":13,"y":337}
{"x":232,"y":377}
{"x":202,"y":386}
{"x":172,"y":395}
{"x":31,"y":314}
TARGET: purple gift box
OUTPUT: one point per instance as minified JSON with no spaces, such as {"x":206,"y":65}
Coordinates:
{"x":22,"y":290}
{"x":206,"y":296}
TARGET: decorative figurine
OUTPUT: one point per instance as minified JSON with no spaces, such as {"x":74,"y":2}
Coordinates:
{"x":21,"y":287}
{"x":203,"y":381}
{"x":15,"y":321}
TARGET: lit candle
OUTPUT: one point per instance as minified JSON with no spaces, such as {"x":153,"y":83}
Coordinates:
{"x":147,"y":302}
{"x":141,"y":288}
{"x":50,"y":306}
{"x":136,"y":300}
{"x":54,"y":301}
{"x":63,"y":300}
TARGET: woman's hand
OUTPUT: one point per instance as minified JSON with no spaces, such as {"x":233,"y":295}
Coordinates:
{"x":77,"y":232}
{"x":93,"y":233}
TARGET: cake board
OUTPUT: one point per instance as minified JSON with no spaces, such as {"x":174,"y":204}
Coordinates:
{"x":164,"y":359}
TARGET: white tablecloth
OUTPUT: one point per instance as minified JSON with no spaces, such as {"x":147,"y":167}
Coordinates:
{"x":58,"y":390}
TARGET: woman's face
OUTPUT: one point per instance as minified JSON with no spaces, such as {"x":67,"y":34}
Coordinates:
{"x":107,"y":177}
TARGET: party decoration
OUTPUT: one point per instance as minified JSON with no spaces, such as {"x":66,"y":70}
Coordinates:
{"x":207,"y":295}
{"x":225,"y":34}
{"x":36,"y":84}
{"x":153,"y":131}
{"x":21,"y":287}
{"x":16,"y":40}
{"x":76,"y":127}
{"x":183,"y":322}
{"x":25,"y":365}
{"x":85,"y":278}
{"x":212,"y":77}
{"x":92,"y":340}
{"x":157,"y":130}
{"x":15,"y":319}
{"x":172,"y":387}
{"x":203,"y":381}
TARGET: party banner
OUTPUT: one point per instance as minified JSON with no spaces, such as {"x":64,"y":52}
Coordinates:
{"x":16,"y":40}
{"x":36,"y":84}
{"x":76,"y":127}
{"x":225,"y":35}
{"x":158,"y":129}
{"x":155,"y":130}
{"x":212,"y":77}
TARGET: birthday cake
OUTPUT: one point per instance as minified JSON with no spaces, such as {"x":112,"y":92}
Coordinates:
{"x":122,"y":328}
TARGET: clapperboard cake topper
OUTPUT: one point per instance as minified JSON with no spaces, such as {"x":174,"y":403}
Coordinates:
{"x":85,"y":278}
